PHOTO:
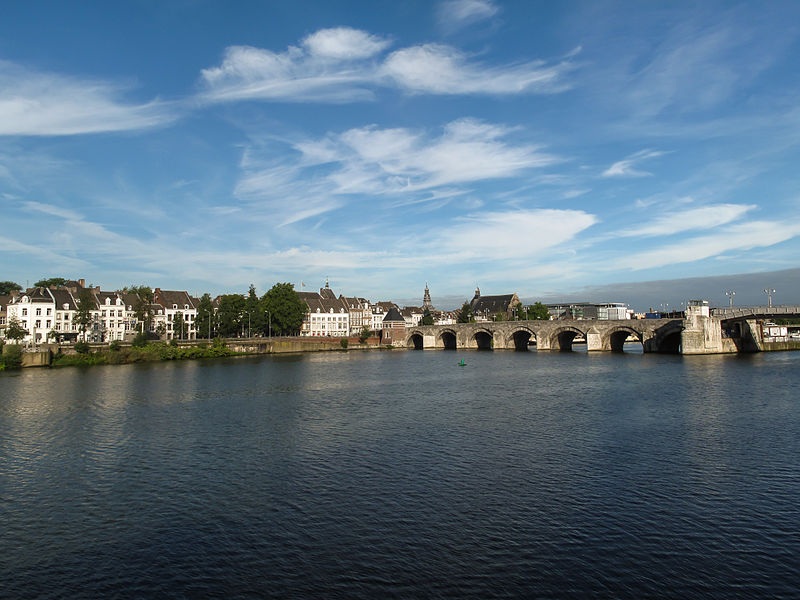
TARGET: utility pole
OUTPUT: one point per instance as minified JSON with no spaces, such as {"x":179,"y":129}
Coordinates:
{"x":769,"y":293}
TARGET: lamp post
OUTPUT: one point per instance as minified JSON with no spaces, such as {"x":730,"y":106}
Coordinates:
{"x":769,"y":293}
{"x":730,"y":295}
{"x":269,"y":316}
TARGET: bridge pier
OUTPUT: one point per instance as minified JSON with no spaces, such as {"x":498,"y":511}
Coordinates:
{"x":594,"y":341}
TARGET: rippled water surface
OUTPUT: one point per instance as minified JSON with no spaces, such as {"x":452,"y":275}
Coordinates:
{"x":399,"y":474}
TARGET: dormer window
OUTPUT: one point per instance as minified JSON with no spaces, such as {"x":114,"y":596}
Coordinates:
{"x":174,"y":307}
{"x":185,"y":307}
{"x":108,"y":301}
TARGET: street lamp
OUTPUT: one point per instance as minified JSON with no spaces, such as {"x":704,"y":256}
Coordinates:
{"x":269,"y":315}
{"x":730,"y":296}
{"x":769,"y":293}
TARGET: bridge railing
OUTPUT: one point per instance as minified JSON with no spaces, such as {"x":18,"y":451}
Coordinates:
{"x":748,"y":311}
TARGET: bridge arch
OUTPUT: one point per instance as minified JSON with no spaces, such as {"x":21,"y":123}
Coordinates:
{"x":561,"y":338}
{"x":615,"y":338}
{"x":668,"y":341}
{"x":415,"y":340}
{"x":482,"y":339}
{"x":447,"y":339}
{"x":519,"y":338}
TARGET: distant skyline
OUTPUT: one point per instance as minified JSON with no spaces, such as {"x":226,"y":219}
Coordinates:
{"x":556,"y":150}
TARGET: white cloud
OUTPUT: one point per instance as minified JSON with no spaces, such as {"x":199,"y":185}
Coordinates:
{"x":455,"y":14}
{"x":294,"y":76}
{"x":385,"y":161}
{"x":705,"y":217}
{"x":342,"y":65}
{"x":344,"y":43}
{"x":494,"y":236}
{"x":739,"y":237}
{"x":626,"y":167}
{"x":439,"y":69}
{"x":38,"y":103}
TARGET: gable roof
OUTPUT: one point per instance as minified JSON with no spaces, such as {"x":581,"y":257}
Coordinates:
{"x":393,"y":316}
{"x":492,"y":304}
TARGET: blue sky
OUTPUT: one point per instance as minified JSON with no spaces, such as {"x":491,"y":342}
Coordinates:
{"x":535,"y":147}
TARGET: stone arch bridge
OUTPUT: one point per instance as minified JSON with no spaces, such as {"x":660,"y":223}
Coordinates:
{"x":655,"y":335}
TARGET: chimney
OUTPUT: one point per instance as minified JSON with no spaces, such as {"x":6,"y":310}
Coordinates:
{"x":82,"y":282}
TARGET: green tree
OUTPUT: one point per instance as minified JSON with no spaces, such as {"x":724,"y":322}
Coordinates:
{"x":53,"y":282}
{"x":254,"y":317}
{"x":230,"y":309}
{"x":143,"y":307}
{"x":84,"y":313}
{"x":15,"y":331}
{"x":178,"y":326}
{"x":465,"y":314}
{"x":6,"y":287}
{"x":500,"y":316}
{"x":538,"y":312}
{"x":365,"y":334}
{"x":285,"y":307}
{"x":205,"y":317}
{"x":427,"y":318}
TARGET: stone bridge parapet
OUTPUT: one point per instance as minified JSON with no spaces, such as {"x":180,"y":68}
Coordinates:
{"x":656,"y":335}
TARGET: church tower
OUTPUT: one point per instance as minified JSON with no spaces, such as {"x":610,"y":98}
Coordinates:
{"x":426,"y":299}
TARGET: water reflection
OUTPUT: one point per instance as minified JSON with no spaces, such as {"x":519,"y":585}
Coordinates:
{"x":401,"y":473}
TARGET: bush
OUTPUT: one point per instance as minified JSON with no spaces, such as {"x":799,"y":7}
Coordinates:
{"x":343,"y":342}
{"x":173,"y":342}
{"x":140,"y":340}
{"x":81,"y":347}
{"x":114,"y":346}
{"x":11,"y":358}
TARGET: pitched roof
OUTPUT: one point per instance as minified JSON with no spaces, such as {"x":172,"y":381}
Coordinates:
{"x":63,"y":297}
{"x":492,"y":304}
{"x":170,"y":298}
{"x":393,"y":315}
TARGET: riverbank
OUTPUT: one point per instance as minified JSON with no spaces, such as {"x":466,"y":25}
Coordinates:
{"x":116,"y":353}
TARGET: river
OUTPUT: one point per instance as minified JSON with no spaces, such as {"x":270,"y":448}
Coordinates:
{"x":394,"y":474}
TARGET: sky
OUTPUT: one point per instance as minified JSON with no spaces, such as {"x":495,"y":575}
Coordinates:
{"x":544,"y":148}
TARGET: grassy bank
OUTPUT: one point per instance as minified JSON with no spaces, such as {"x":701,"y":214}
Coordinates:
{"x":151,"y":352}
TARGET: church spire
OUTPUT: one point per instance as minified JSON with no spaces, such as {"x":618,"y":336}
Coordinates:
{"x":426,"y":299}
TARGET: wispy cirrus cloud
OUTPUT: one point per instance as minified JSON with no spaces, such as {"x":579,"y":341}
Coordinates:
{"x":36,"y":103}
{"x":343,"y":65}
{"x":456,"y":14}
{"x":704,"y":217}
{"x":440,"y":69}
{"x":627,"y":167}
{"x":396,"y":163}
{"x":736,"y":237}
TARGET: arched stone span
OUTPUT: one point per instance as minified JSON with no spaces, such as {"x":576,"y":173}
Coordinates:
{"x":447,"y":339}
{"x":561,"y":338}
{"x":416,"y":341}
{"x":482,"y":340}
{"x":520,"y":338}
{"x":616,"y":337}
{"x":669,"y":341}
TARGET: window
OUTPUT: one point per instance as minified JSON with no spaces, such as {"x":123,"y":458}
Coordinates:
{"x":49,"y":323}
{"x":186,"y":307}
{"x":24,"y":312}
{"x":38,"y":312}
{"x":38,"y":323}
{"x":49,"y":311}
{"x":174,"y":306}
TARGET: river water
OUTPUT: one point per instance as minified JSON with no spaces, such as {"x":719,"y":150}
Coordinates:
{"x":403,"y":475}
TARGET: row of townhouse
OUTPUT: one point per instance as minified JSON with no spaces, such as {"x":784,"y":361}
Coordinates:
{"x":342,"y":316}
{"x":329,"y":315}
{"x":52,"y":314}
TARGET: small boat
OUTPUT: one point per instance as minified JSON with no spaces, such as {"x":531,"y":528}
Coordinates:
{"x":461,"y":363}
